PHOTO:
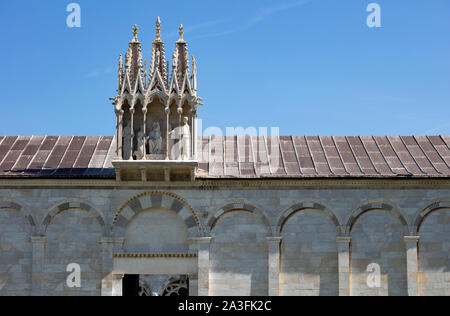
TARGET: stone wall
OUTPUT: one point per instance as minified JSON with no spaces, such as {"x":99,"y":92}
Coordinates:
{"x":87,"y":222}
{"x":309,"y":258}
{"x":15,"y":253}
{"x":377,"y":238}
{"x":239,"y":255}
{"x":72,"y":237}
{"x":434,"y":250}
{"x":156,"y":230}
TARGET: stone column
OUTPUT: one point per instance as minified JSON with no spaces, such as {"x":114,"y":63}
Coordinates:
{"x":180,"y":120}
{"x":120,"y":133}
{"x":412,"y":264}
{"x":144,"y":130}
{"x":132,"y":132}
{"x":107,"y":265}
{"x":167,"y":132}
{"x":37,"y":268}
{"x":108,"y":278}
{"x":117,"y":132}
{"x":343,"y":245}
{"x":274,"y":265}
{"x":193,"y":285}
{"x":193,"y":136}
{"x":203,"y":247}
{"x":117,"y":284}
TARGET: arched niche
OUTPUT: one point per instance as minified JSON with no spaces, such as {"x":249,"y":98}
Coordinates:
{"x":309,"y":257}
{"x":156,"y":230}
{"x":378,"y":253}
{"x":238,"y":254}
{"x":72,"y":231}
{"x":433,"y":227}
{"x":16,"y":228}
{"x":157,"y":199}
{"x":156,"y":123}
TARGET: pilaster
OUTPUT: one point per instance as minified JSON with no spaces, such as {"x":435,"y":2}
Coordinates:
{"x":108,"y":278}
{"x":203,"y":246}
{"x":274,"y":265}
{"x":412,"y":264}
{"x":343,"y":245}
{"x":37,"y":268}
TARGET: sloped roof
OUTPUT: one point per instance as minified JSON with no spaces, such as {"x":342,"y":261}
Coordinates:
{"x":239,"y":157}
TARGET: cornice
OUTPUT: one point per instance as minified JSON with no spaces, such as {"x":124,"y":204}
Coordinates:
{"x":215,"y":184}
{"x":212,"y":184}
{"x":155,"y":255}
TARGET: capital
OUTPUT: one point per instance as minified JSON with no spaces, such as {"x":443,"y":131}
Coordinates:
{"x":411,"y":239}
{"x":343,"y":239}
{"x":274,"y":240}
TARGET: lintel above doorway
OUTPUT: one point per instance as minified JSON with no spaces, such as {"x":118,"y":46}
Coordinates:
{"x":156,"y":264}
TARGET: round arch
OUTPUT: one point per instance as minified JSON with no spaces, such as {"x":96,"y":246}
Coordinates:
{"x":306,"y":205}
{"x":72,"y":205}
{"x":381,"y":206}
{"x":17,"y":207}
{"x":423,"y":214}
{"x":162,"y":199}
{"x":238,"y":206}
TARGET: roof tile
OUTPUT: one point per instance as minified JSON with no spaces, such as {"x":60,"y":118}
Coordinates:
{"x":332,"y":155}
{"x":236,"y":157}
{"x":375,"y":156}
{"x":318,"y":156}
{"x":418,"y":155}
{"x":304,"y":157}
{"x":5,"y":146}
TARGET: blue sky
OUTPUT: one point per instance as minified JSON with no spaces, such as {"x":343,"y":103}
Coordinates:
{"x":309,"y":67}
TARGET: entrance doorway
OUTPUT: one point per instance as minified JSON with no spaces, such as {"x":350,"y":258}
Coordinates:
{"x":147,"y":285}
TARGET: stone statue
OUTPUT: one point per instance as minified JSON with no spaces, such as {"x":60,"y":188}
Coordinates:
{"x":126,"y":148}
{"x":182,"y":149}
{"x":155,"y":139}
{"x":139,"y":153}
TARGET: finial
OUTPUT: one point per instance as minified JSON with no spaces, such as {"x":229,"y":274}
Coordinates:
{"x":158,"y":29}
{"x":135,"y":33}
{"x":181,"y":31}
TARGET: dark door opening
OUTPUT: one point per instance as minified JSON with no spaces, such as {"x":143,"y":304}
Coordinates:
{"x":130,"y":285}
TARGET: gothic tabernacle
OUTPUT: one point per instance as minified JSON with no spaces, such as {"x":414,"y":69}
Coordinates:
{"x":158,"y":210}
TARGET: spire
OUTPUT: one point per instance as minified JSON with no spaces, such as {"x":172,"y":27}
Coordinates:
{"x":179,"y":81}
{"x":158,"y":29}
{"x":134,"y":62}
{"x":139,"y":85}
{"x":180,"y":59}
{"x":158,"y":61}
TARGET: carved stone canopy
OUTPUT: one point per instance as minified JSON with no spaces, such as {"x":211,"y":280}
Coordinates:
{"x":156,"y":112}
